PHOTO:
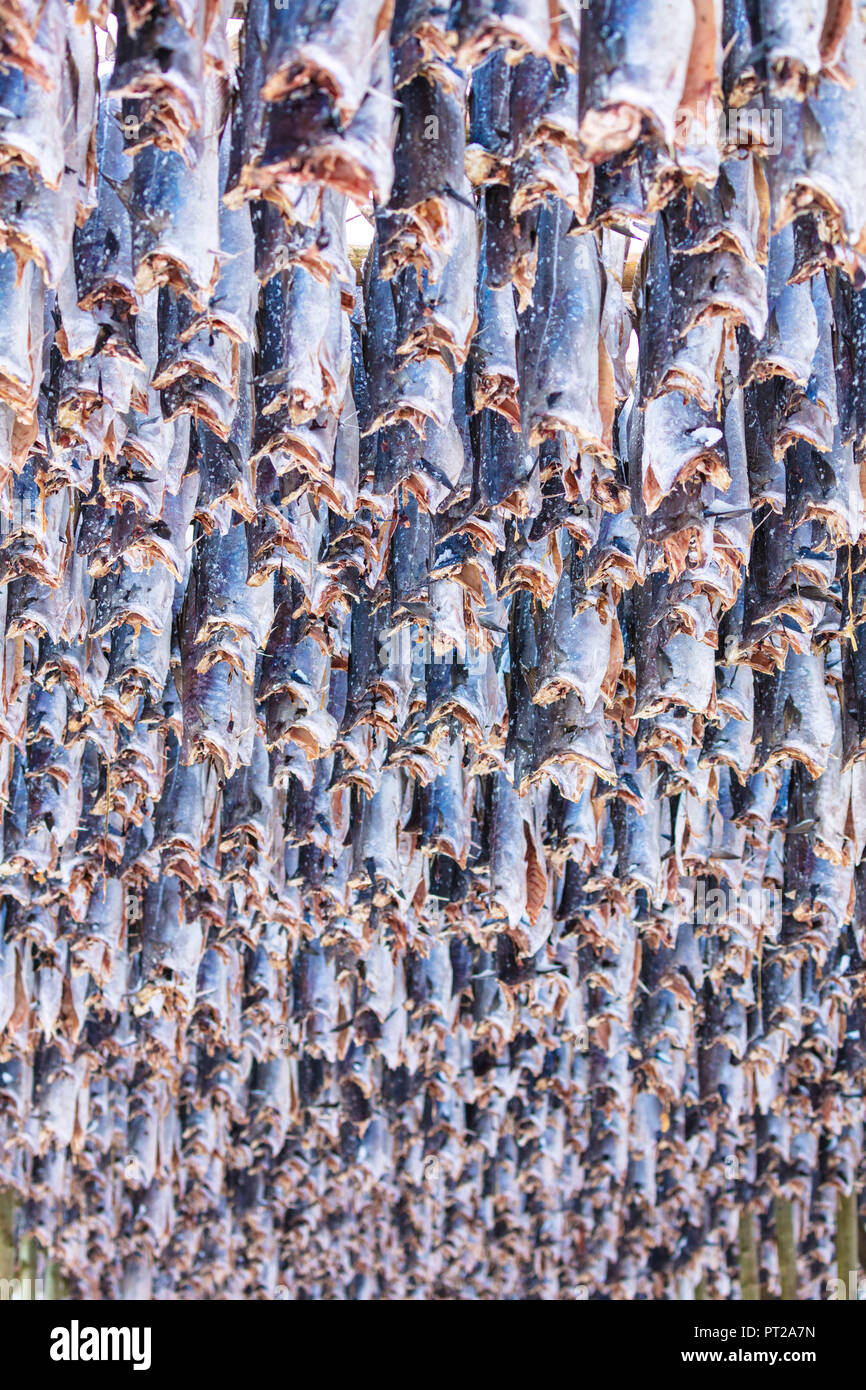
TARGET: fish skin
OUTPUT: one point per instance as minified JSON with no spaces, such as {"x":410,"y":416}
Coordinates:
{"x":159,"y":71}
{"x":333,"y":51}
{"x":625,"y":78}
{"x":559,"y":387}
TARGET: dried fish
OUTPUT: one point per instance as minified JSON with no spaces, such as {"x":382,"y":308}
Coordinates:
{"x":433,"y":601}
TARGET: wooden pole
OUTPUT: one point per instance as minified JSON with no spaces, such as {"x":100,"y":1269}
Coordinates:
{"x":28,"y":1266}
{"x":787,"y":1248}
{"x":56,"y":1283}
{"x":847,"y":1255}
{"x":750,"y":1278}
{"x":7,"y":1235}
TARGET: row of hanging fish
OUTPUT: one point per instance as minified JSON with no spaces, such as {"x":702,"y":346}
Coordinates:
{"x":432,"y":700}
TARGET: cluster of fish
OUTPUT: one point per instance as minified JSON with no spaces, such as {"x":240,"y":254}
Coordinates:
{"x":433,"y":691}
